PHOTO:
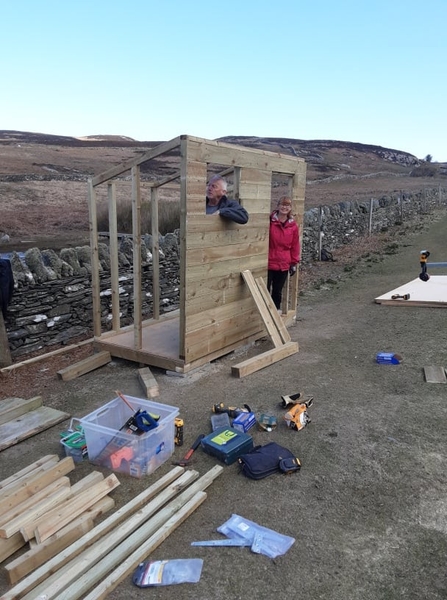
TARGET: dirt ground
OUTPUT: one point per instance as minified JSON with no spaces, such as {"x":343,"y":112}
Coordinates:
{"x":368,"y":509}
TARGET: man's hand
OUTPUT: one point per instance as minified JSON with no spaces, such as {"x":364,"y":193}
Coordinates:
{"x":292,"y":270}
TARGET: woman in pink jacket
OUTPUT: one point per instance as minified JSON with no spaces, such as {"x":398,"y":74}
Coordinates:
{"x":284,"y":248}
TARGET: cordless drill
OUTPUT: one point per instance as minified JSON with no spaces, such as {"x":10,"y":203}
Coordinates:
{"x":232,"y":411}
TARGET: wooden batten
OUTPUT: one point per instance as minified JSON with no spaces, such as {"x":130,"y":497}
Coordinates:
{"x":114,"y":264}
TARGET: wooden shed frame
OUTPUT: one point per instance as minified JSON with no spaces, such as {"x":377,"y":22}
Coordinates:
{"x":223,"y":304}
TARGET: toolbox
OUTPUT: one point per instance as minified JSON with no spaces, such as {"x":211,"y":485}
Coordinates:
{"x":123,"y":451}
{"x":227,"y":444}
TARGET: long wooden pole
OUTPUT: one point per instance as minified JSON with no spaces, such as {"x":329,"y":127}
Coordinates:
{"x":5,"y":354}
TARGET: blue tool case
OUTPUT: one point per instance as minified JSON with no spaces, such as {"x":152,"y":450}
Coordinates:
{"x":227,"y":444}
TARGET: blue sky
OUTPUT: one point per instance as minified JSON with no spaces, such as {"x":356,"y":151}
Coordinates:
{"x":361,"y":71}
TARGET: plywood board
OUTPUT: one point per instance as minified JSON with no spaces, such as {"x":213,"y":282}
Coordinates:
{"x":432,"y":293}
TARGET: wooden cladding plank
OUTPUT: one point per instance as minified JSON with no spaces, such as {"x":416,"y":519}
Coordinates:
{"x":264,"y":360}
{"x":217,"y":236}
{"x":12,"y":408}
{"x":225,"y":154}
{"x":58,"y":518}
{"x":222,"y":334}
{"x":10,"y":545}
{"x":215,"y":254}
{"x":38,"y":555}
{"x":216,"y":315}
{"x":35,"y":512}
{"x":232,"y":267}
{"x":22,"y":507}
{"x":84,"y":366}
{"x":146,"y":538}
{"x":32,"y":579}
{"x":203,"y":224}
{"x":127,"y":556}
{"x":37,"y":420}
{"x":211,"y":299}
{"x":85,"y":553}
{"x":15,"y":494}
{"x":42,"y":464}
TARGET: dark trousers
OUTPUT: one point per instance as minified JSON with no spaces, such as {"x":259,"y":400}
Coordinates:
{"x":275,"y":283}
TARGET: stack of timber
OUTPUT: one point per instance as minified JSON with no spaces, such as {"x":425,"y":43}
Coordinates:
{"x":20,"y":419}
{"x":94,"y":565}
{"x":41,"y":509}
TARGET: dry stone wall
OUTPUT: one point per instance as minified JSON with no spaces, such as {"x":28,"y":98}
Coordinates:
{"x":341,"y":223}
{"x":52,"y":301}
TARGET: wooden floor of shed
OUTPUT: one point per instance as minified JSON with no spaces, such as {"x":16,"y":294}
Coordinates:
{"x":431,"y":293}
{"x":160,"y":344}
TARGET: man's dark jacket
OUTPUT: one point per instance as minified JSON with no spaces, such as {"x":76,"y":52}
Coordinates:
{"x":229,"y":209}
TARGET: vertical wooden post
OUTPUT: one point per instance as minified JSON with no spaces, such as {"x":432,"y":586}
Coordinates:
{"x":402,"y":206}
{"x":93,"y":227}
{"x":371,"y":206}
{"x":320,"y":232}
{"x":113,"y":251}
{"x":236,"y":183}
{"x":155,"y":255}
{"x":5,"y":354}
{"x":183,"y":207}
{"x":137,"y":279}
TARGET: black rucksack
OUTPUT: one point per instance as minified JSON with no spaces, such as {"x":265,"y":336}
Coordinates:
{"x":263,"y":461}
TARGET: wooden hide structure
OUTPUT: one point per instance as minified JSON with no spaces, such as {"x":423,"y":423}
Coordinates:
{"x":218,"y":312}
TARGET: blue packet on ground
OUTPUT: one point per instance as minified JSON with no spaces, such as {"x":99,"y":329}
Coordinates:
{"x":264,"y":541}
{"x":167,"y":572}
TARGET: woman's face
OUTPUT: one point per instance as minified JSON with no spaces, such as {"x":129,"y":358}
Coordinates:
{"x":284,"y":207}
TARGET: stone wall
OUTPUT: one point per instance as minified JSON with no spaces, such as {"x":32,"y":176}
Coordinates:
{"x":341,"y":223}
{"x":52,"y":301}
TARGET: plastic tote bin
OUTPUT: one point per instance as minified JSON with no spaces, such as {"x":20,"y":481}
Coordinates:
{"x":124,"y":452}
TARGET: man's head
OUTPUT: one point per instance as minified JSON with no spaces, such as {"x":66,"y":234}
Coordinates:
{"x":216,"y":188}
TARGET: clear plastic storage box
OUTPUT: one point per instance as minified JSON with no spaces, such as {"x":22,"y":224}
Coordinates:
{"x":124,"y":452}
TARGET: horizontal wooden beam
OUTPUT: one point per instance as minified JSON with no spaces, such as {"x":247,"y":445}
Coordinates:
{"x":99,"y":359}
{"x":265,"y":359}
{"x":127,"y":166}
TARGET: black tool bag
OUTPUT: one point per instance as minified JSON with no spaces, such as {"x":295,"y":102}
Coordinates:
{"x":263,"y":461}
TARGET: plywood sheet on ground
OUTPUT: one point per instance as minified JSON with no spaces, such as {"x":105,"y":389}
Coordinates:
{"x":422,"y":293}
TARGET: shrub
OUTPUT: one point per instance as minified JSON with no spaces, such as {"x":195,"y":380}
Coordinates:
{"x":168,"y":217}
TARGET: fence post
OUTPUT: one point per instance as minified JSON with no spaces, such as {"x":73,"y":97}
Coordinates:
{"x":371,"y":204}
{"x":320,"y":232}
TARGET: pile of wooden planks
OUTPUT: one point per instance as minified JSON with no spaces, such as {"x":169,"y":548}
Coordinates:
{"x":92,"y":566}
{"x":40,"y":507}
{"x":20,"y":419}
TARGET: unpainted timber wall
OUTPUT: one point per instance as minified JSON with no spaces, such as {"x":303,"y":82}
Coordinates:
{"x":217,"y":309}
